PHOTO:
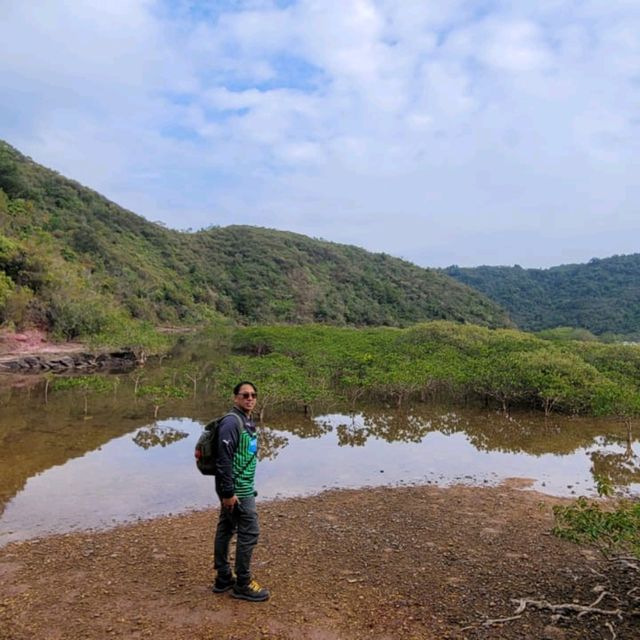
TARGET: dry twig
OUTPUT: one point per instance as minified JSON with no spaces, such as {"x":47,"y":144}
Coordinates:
{"x":628,"y":562}
{"x":491,"y":622}
{"x":580,"y":609}
{"x":609,"y":626}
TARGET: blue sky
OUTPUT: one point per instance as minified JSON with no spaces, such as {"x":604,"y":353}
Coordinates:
{"x":440,"y":131}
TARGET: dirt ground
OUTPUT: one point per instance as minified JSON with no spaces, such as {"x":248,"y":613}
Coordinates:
{"x":32,"y":341}
{"x":384,"y":563}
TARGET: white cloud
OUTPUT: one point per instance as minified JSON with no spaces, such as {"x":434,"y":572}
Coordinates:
{"x":422,"y":129}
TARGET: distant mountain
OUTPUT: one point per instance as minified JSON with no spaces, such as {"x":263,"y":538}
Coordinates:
{"x":602,"y":296}
{"x":70,"y":259}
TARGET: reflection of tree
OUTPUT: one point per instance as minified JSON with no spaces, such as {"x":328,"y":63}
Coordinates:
{"x":157,"y":435}
{"x":620,"y":469}
{"x":87,"y":385}
{"x":351,"y":434}
{"x":271,"y":442}
{"x":303,"y":426}
{"x":526,"y":433}
{"x":531,"y":434}
{"x":394,"y":426}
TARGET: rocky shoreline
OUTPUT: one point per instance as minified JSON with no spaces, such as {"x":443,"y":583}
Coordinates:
{"x":31,"y":352}
{"x":63,"y":362}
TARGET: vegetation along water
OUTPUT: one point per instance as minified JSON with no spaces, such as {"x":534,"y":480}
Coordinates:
{"x":90,"y":450}
{"x":386,"y":331}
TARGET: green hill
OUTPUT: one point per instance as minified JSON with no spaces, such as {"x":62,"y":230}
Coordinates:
{"x":72,"y":261}
{"x":602,"y":296}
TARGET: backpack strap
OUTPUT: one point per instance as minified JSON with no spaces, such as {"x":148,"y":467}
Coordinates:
{"x":238,"y":418}
{"x":240,"y":430}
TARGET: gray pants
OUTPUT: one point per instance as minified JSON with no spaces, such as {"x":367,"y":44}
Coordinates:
{"x":243,"y":519}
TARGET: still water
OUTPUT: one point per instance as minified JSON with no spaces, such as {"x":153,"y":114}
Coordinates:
{"x":71,"y":462}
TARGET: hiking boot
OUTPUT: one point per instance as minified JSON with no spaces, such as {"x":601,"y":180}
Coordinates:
{"x":252,"y":591}
{"x":223,"y":583}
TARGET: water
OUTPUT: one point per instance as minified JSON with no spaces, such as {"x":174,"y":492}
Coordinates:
{"x":64,"y":469}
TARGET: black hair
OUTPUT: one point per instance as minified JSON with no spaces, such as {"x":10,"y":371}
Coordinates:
{"x":236,"y":389}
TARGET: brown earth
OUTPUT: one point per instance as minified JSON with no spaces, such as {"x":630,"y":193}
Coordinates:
{"x":24,"y":354}
{"x":33,"y":341}
{"x":386,"y":563}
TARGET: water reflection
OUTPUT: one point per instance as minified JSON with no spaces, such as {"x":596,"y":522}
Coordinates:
{"x":620,"y":468}
{"x":62,"y":469}
{"x":393,"y":427}
{"x":158,"y":435}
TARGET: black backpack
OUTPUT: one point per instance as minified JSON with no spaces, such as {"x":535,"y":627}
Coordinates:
{"x":206,"y":452}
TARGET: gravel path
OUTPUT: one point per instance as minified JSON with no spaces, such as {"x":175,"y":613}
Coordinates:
{"x":384,"y":563}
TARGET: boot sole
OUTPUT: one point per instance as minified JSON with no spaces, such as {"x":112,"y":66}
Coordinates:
{"x":242,"y":596}
{"x":221,"y":589}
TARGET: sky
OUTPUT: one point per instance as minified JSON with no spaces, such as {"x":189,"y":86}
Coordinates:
{"x":439,"y":131}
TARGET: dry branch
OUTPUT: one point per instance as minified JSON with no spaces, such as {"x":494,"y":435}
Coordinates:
{"x":568,"y":607}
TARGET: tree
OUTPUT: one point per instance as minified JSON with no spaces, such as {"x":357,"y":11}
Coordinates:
{"x":559,"y":379}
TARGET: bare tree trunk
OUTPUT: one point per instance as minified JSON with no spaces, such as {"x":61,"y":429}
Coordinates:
{"x":629,"y":448}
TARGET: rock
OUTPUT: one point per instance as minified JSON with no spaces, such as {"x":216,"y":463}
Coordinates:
{"x":110,"y":361}
{"x":553,"y":633}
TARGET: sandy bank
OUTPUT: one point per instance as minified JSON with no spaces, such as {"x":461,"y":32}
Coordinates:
{"x":415,"y":562}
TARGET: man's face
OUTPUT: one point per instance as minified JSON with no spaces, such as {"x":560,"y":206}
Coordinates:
{"x":245,"y":399}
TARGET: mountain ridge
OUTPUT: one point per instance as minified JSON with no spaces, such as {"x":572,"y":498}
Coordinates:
{"x":602,"y":295}
{"x":70,"y":259}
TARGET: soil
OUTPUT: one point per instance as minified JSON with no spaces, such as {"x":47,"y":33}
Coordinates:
{"x":31,"y":342}
{"x":386,"y":563}
{"x":23,"y":356}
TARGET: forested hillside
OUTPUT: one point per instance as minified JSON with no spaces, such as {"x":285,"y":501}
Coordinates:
{"x":602,"y":296}
{"x":76,"y":263}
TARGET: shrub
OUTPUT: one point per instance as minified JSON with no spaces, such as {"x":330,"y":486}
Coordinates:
{"x":6,"y":288}
{"x":17,"y":306}
{"x":72,"y":319}
{"x":617,"y":529}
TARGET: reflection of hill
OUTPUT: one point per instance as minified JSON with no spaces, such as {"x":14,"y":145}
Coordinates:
{"x":35,"y":436}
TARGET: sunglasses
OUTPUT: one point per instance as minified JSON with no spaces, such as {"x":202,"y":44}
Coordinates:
{"x":246,"y":395}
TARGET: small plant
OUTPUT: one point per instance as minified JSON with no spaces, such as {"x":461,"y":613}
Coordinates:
{"x":160,"y":394}
{"x":604,"y":486}
{"x":586,"y":521}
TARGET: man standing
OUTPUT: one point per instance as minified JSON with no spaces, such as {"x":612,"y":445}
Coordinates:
{"x":235,"y":474}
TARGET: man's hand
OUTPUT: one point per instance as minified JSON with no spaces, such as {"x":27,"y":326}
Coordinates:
{"x":230,"y":503}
